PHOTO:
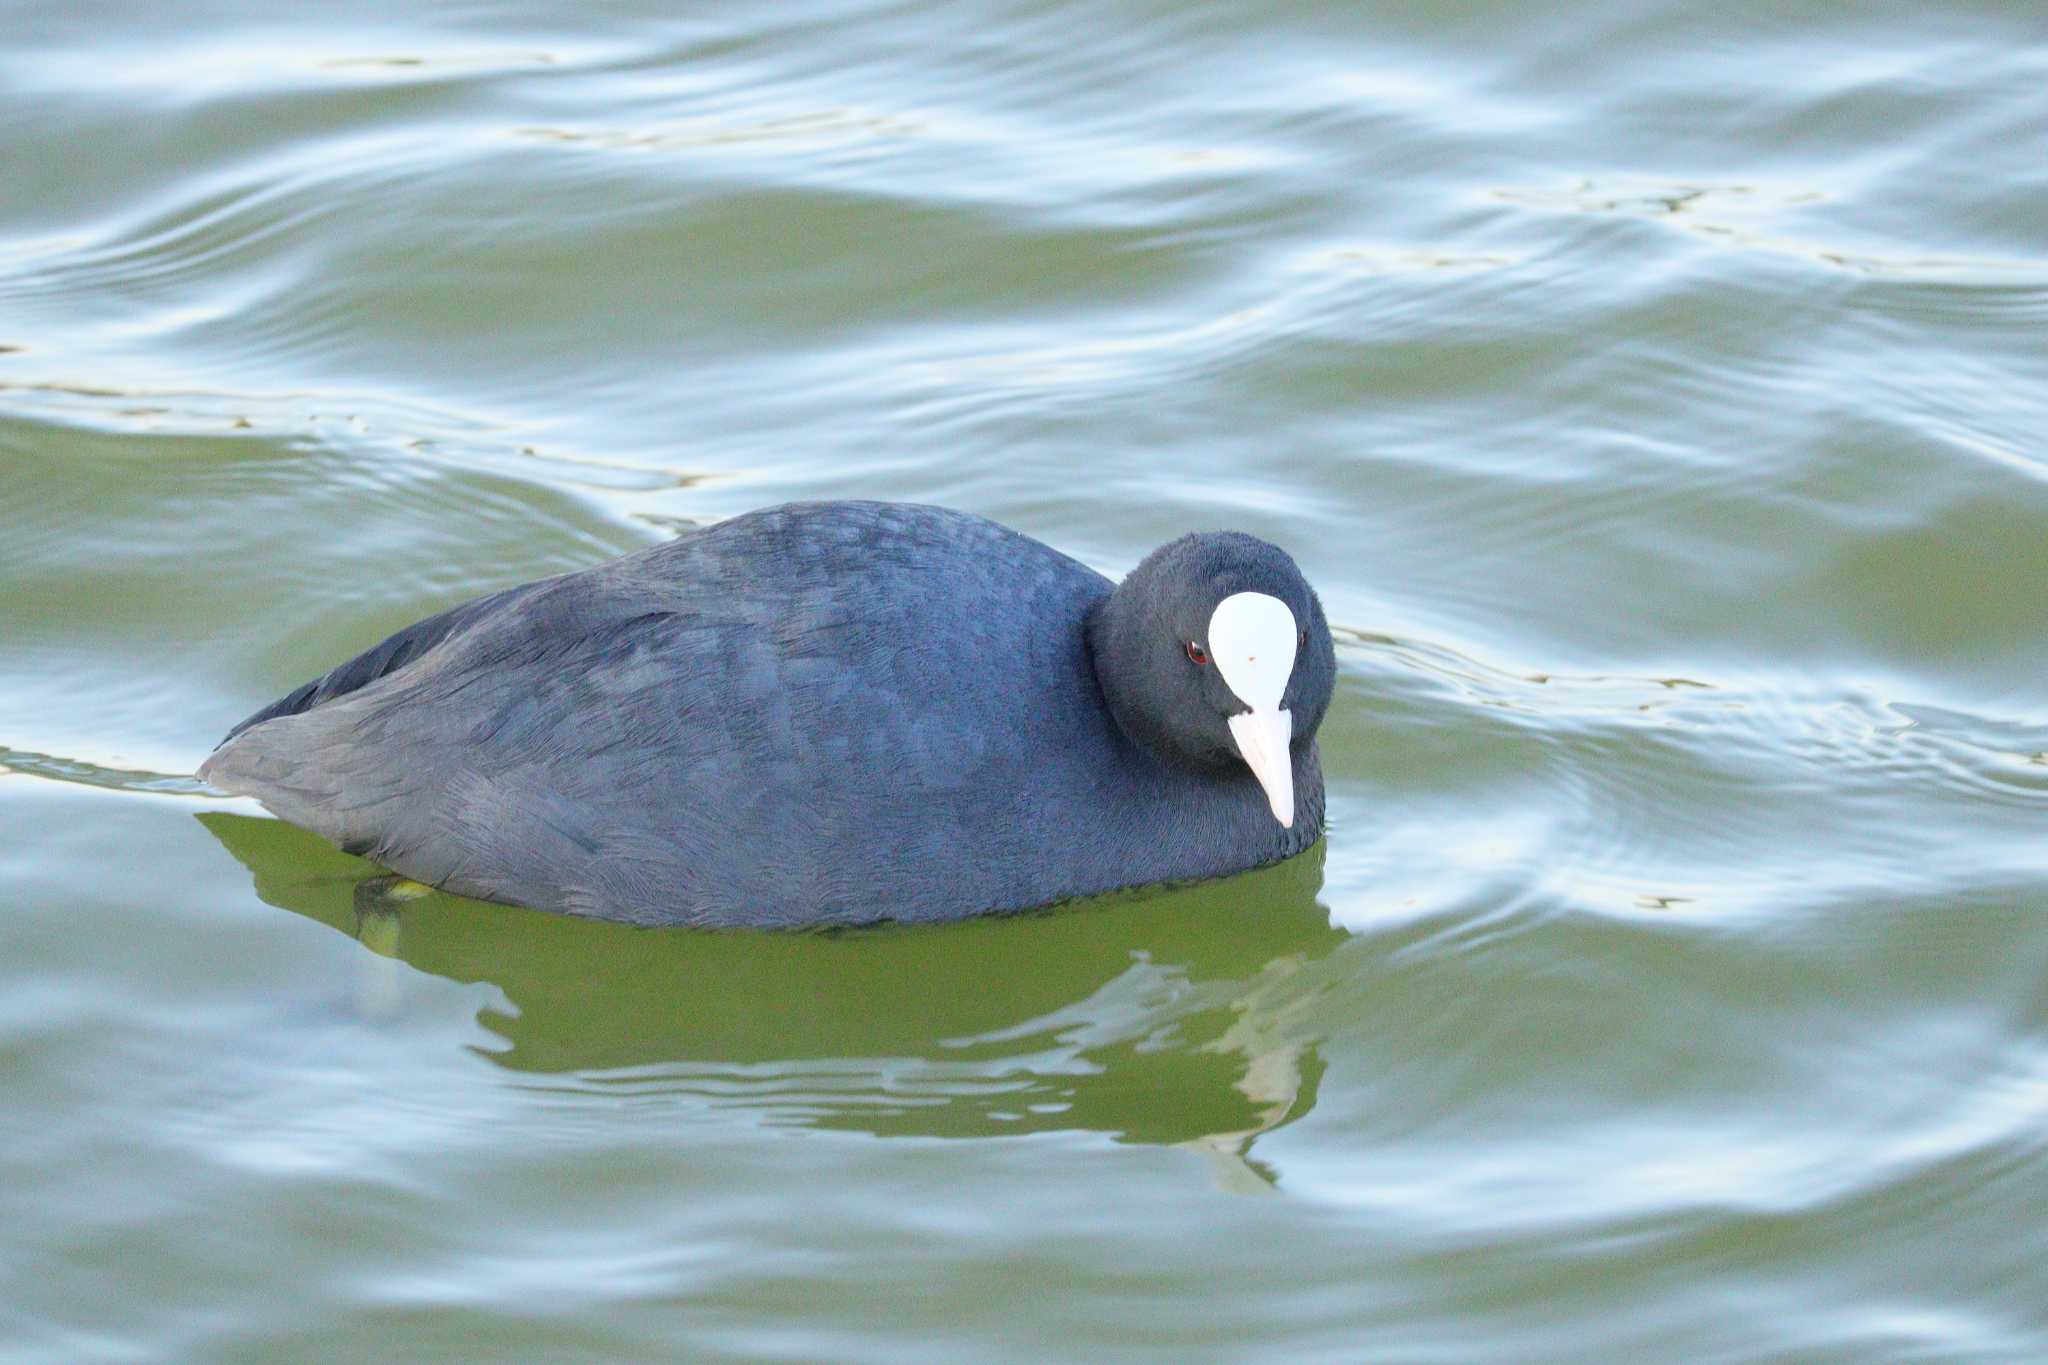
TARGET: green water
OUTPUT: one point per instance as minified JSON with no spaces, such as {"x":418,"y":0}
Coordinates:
{"x":1656,"y":393}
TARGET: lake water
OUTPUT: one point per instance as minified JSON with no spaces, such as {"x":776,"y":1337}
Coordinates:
{"x":1655,"y":392}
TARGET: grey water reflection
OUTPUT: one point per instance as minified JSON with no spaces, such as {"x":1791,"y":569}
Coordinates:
{"x":1180,"y":1016}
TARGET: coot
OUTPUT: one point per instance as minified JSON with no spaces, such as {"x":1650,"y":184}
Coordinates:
{"x":822,"y":713}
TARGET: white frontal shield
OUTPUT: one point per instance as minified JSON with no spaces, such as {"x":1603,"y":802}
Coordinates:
{"x":1252,"y":638}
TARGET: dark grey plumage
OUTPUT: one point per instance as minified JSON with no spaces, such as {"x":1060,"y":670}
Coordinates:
{"x":818,"y":713}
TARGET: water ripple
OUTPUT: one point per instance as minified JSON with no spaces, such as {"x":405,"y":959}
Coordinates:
{"x":52,"y":768}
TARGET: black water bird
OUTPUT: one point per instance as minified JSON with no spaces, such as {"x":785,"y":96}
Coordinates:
{"x":822,"y":713}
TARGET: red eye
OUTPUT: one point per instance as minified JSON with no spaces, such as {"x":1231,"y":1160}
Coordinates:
{"x":1197,"y":654}
{"x":1304,"y":639}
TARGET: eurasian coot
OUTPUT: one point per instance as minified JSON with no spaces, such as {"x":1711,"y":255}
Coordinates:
{"x":822,"y":713}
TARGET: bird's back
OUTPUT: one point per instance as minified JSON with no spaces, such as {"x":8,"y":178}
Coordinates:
{"x":817,"y":713}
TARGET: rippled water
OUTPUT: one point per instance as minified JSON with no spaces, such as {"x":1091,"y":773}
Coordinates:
{"x":1656,"y":394}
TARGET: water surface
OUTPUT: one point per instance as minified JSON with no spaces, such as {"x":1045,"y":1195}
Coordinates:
{"x":1655,"y":394}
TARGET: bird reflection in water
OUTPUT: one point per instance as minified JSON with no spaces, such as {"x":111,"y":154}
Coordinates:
{"x":1176,"y":1016}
